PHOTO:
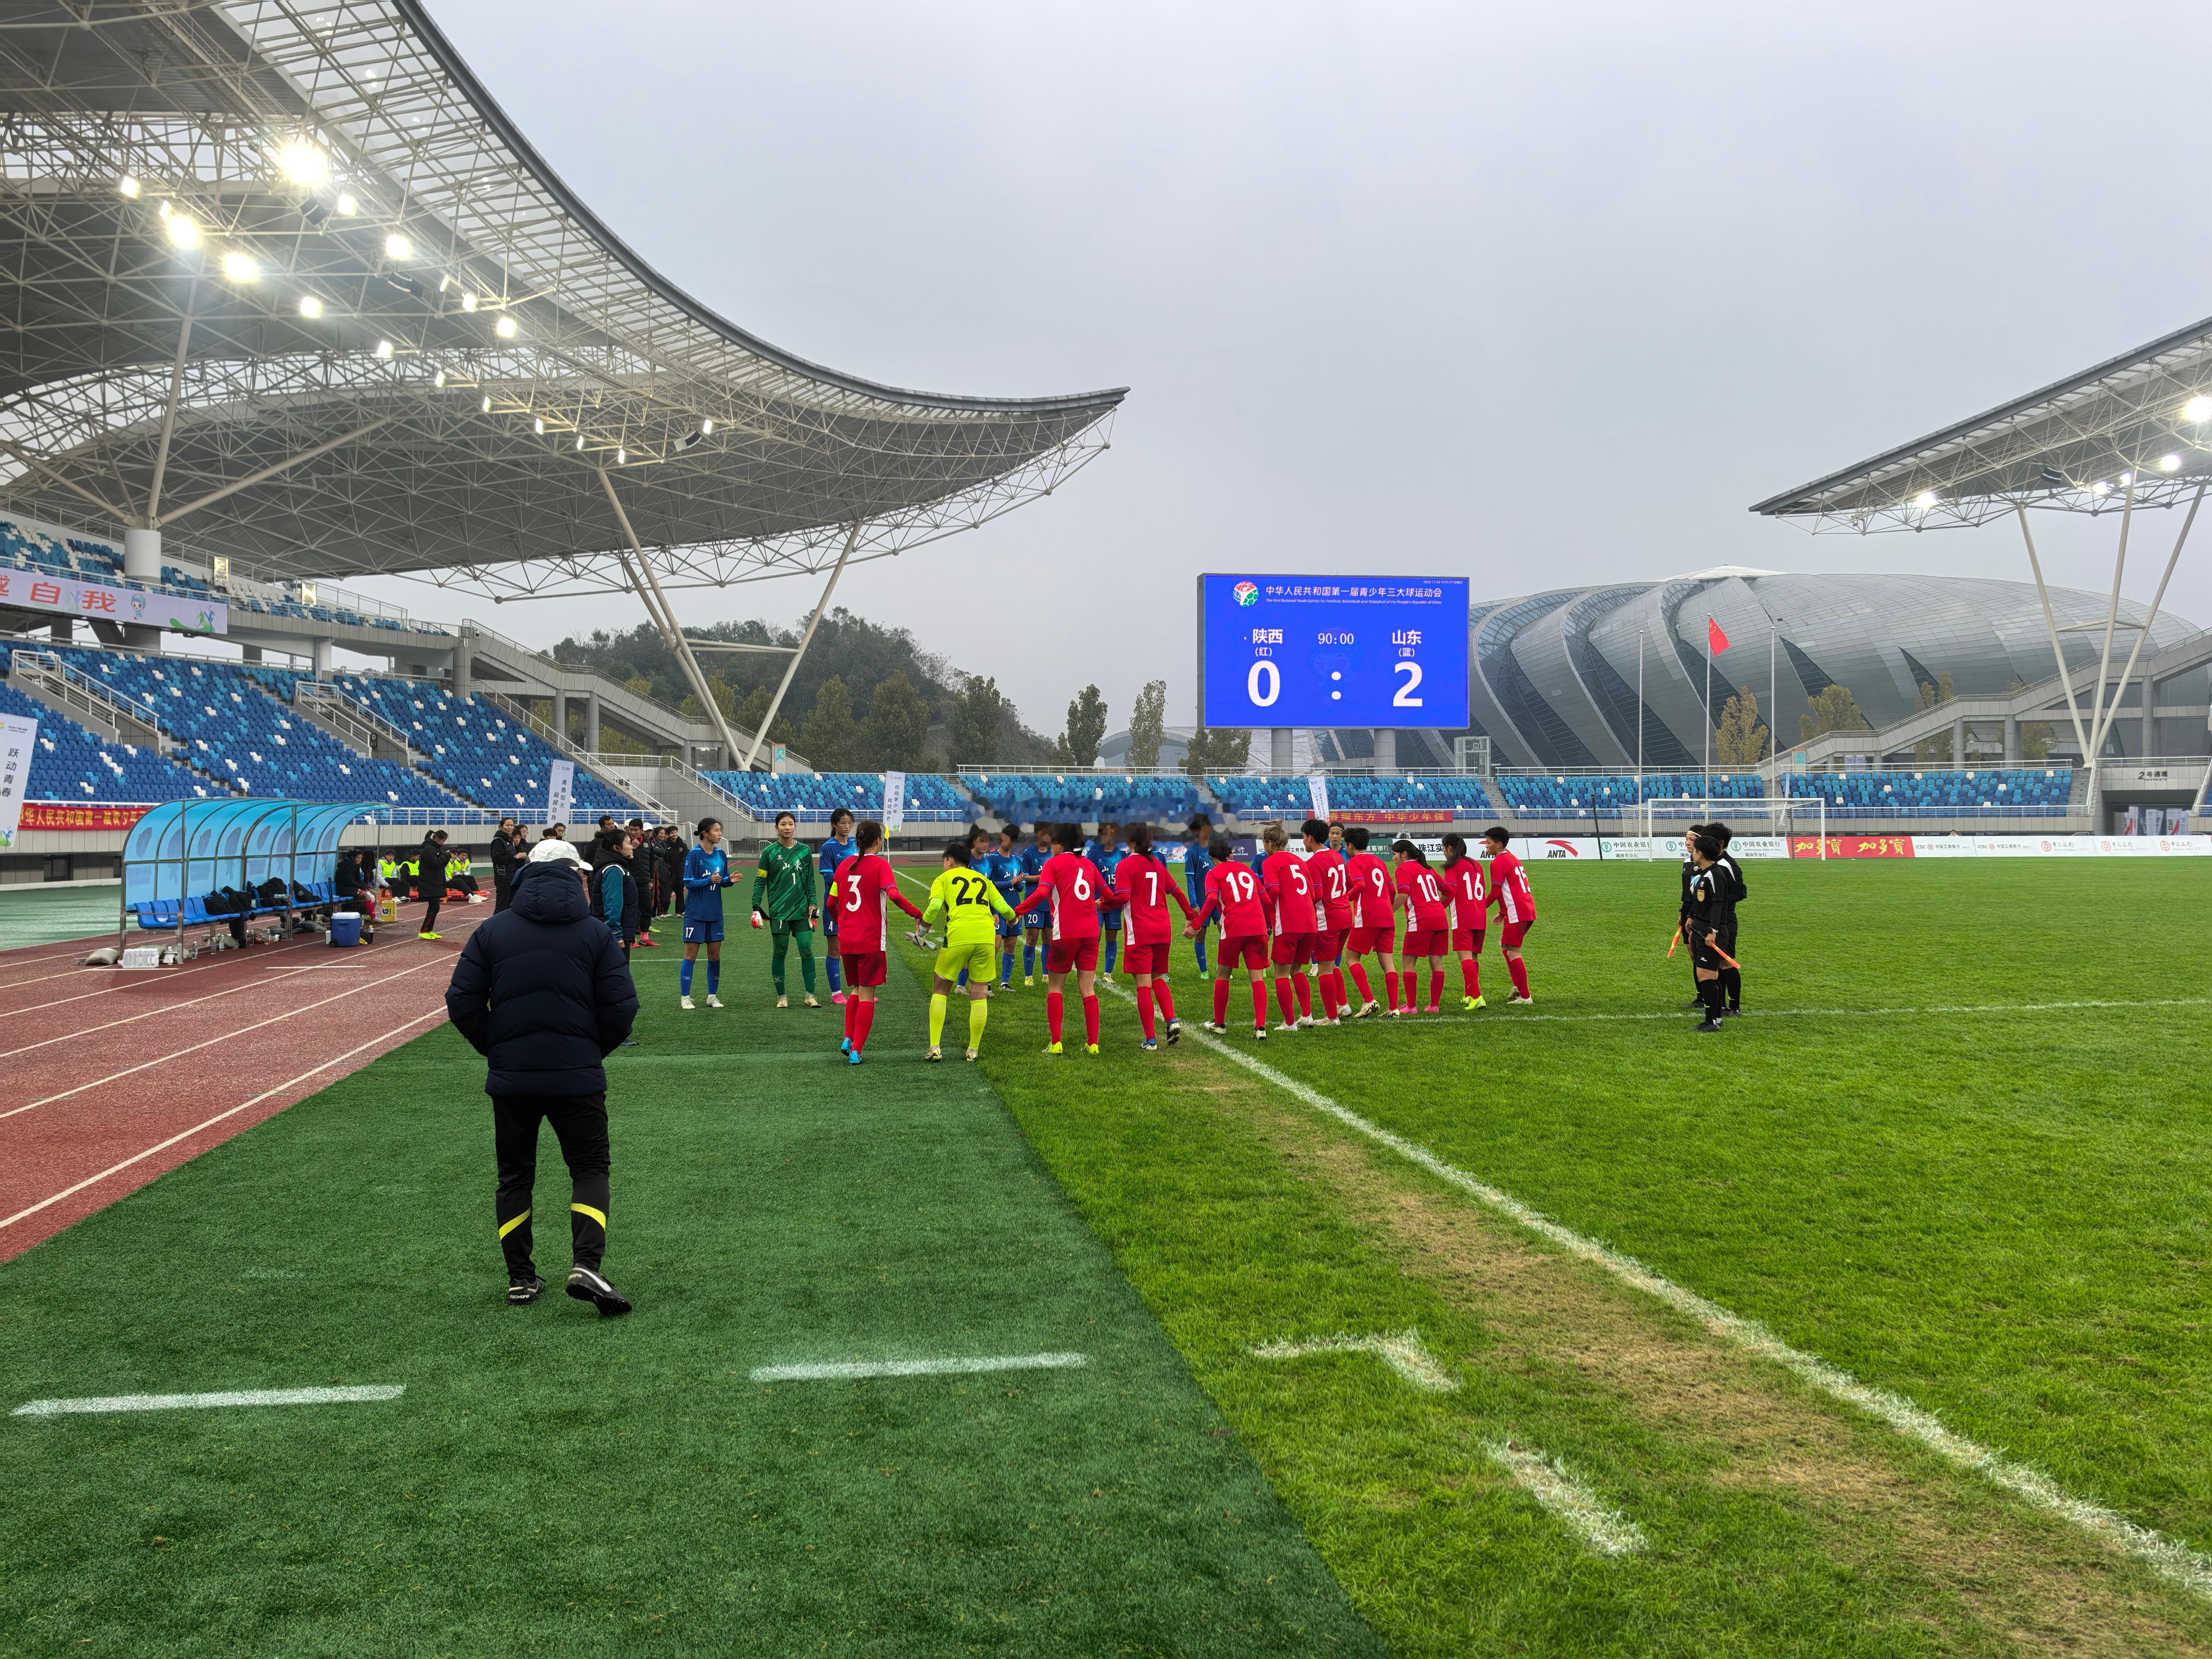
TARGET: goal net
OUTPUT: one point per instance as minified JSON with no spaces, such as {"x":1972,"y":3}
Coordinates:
{"x":1777,"y":817}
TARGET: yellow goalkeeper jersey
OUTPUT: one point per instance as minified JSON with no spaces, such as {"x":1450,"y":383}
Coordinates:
{"x":968,"y":903}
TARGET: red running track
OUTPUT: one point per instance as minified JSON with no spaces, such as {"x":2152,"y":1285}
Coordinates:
{"x":109,"y":1078}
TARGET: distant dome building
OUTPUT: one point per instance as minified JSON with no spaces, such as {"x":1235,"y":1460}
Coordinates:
{"x":1555,"y":675}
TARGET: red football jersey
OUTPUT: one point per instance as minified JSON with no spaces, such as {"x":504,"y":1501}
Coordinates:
{"x":1371,"y":890}
{"x":1144,"y":885}
{"x":863,"y":890}
{"x":1330,"y":878}
{"x":1466,"y":896}
{"x":1233,"y":893}
{"x":1424,"y":896}
{"x":1290,"y":895}
{"x":1508,"y":890}
{"x":1072,"y":885}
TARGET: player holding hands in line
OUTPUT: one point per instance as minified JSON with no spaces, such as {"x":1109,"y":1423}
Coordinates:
{"x":1144,"y":888}
{"x":1070,"y":883}
{"x":1466,"y":909}
{"x":1233,"y":893}
{"x":862,"y":891}
{"x":1330,"y":878}
{"x":971,"y":905}
{"x":1516,"y":908}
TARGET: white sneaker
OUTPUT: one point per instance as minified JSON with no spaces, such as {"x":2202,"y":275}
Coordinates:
{"x":780,"y":1002}
{"x":713,"y":1001}
{"x":1292,"y":1026}
{"x":1515,"y":996}
{"x":1308,"y":1020}
{"x":687,"y":1002}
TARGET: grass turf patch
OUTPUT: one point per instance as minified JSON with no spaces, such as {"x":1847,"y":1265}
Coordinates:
{"x":551,"y":1480}
{"x":1844,"y":1177}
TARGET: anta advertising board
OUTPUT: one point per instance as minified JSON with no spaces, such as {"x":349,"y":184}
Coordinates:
{"x":1575,"y":849}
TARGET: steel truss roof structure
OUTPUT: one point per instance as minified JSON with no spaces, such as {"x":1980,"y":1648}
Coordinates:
{"x":282,"y":276}
{"x":2141,"y":421}
{"x":2132,"y":432}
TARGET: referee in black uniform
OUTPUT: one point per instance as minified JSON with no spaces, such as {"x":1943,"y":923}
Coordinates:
{"x":1739,"y":889}
{"x":1709,"y":907}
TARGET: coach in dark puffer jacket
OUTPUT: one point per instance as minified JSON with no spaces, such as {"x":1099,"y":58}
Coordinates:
{"x":542,"y":991}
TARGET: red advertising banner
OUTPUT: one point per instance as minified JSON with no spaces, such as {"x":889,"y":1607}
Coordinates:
{"x":1425,"y":815}
{"x":1852,"y":847}
{"x":67,"y":814}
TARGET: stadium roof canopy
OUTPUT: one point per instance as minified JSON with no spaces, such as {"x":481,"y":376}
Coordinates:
{"x":284,"y":278}
{"x":2137,"y":427}
{"x":2134,"y":431}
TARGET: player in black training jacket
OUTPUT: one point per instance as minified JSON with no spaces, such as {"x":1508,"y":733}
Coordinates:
{"x":1709,"y":904}
{"x":1731,"y":978}
{"x":1689,"y":871}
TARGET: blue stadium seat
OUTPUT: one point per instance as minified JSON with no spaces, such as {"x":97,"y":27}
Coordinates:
{"x":1085,"y":798}
{"x":929,"y":799}
{"x":1292,"y":798}
{"x":70,"y":764}
{"x":476,"y":751}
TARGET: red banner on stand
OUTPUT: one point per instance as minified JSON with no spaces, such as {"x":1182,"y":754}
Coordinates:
{"x":1425,"y":815}
{"x":68,"y":815}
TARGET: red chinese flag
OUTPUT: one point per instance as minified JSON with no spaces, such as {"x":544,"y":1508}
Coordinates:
{"x":1714,"y":638}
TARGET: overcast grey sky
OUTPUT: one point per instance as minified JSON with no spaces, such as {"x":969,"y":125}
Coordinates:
{"x":1536,"y":295}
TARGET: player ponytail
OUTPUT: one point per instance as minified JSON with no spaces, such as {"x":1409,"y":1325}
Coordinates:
{"x":1406,"y":849}
{"x":1454,"y":847}
{"x":1067,"y":836}
{"x":867,"y":835}
{"x":1140,"y":839}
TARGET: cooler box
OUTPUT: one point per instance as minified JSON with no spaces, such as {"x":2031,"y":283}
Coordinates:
{"x":345,"y":928}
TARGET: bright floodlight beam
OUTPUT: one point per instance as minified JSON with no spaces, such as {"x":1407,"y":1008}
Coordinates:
{"x":304,"y":164}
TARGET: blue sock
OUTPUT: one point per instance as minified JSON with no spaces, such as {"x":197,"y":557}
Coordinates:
{"x":1113,"y":946}
{"x":714,"y":976}
{"x":684,"y":975}
{"x":961,"y":983}
{"x":1006,"y":970}
{"x":836,"y":978}
{"x":1028,"y":955}
{"x":1199,"y":944}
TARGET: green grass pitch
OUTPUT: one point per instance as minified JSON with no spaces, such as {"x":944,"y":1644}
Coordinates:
{"x":1958,"y":1148}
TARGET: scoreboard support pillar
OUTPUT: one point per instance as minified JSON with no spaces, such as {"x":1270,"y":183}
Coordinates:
{"x":1278,"y":750}
{"x":1386,"y":753}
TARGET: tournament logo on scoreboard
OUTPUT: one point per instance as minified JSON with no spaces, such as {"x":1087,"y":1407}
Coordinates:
{"x":1246,"y":593}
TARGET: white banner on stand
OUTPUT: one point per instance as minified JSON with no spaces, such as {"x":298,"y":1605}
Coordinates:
{"x":18,"y":737}
{"x":1318,"y":785}
{"x":894,"y":801}
{"x":560,"y":791}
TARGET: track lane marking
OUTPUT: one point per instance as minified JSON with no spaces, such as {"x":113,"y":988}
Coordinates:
{"x":138,"y":1157}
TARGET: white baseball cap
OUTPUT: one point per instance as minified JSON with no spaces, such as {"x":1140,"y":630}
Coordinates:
{"x":547,"y":852}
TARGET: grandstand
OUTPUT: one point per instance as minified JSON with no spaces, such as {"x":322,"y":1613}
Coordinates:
{"x":70,"y":764}
{"x":812,"y":799}
{"x":1085,"y":797}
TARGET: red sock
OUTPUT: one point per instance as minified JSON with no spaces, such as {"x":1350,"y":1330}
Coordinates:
{"x":1052,"y":1006}
{"x":867,"y":1023}
{"x":1359,"y":978}
{"x":1260,"y":1004}
{"x":1166,"y":997}
{"x":1409,"y":988}
{"x":1144,"y":1010}
{"x":1519,"y":970}
{"x":1327,"y":995}
{"x":1390,"y":987}
{"x":1221,"y":1000}
{"x":1305,"y":994}
{"x":851,"y":1003}
{"x":1285,"y":995}
{"x":1470,"y":974}
{"x":1436,"y":989}
{"x":1090,"y":1021}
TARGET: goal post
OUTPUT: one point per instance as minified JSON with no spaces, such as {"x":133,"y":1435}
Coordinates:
{"x":1781,"y":816}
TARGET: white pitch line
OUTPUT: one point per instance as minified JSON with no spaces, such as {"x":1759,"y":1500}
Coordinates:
{"x":1403,"y":1352}
{"x":846,"y":1369}
{"x":135,"y":1157}
{"x":2169,"y":1556}
{"x":172,"y":1402}
{"x":1518,"y":1017}
{"x":1606,"y":1531}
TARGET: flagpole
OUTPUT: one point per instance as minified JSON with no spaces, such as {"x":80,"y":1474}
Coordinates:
{"x":1709,"y":704}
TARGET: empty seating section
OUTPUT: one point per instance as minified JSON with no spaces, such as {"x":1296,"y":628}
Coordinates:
{"x":34,"y":550}
{"x":1571,"y":796}
{"x":482,"y":754}
{"x":68,"y":763}
{"x":2017,"y":791}
{"x":1292,"y":798}
{"x":237,"y":734}
{"x":1081,"y":797}
{"x":929,"y":799}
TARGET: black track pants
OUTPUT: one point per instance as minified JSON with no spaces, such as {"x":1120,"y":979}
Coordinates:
{"x":579,"y":1121}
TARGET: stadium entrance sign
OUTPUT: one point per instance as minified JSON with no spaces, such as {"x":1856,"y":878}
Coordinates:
{"x":1318,"y":651}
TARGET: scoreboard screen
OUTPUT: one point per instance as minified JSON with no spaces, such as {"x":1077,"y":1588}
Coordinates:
{"x":1308,"y":651}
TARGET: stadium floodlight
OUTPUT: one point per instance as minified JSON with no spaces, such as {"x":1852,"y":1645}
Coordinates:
{"x":504,"y":328}
{"x":310,"y":305}
{"x":541,"y":426}
{"x":621,"y":457}
{"x":127,"y":185}
{"x":397,"y":246}
{"x":2169,"y":462}
{"x":706,"y":428}
{"x":2198,"y":409}
{"x":240,"y":267}
{"x":304,"y":163}
{"x":183,"y":232}
{"x":579,"y":440}
{"x":383,"y":348}
{"x":441,"y":379}
{"x":487,"y":403}
{"x":347,"y":205}
{"x":468,"y":302}
{"x":1924,"y":499}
